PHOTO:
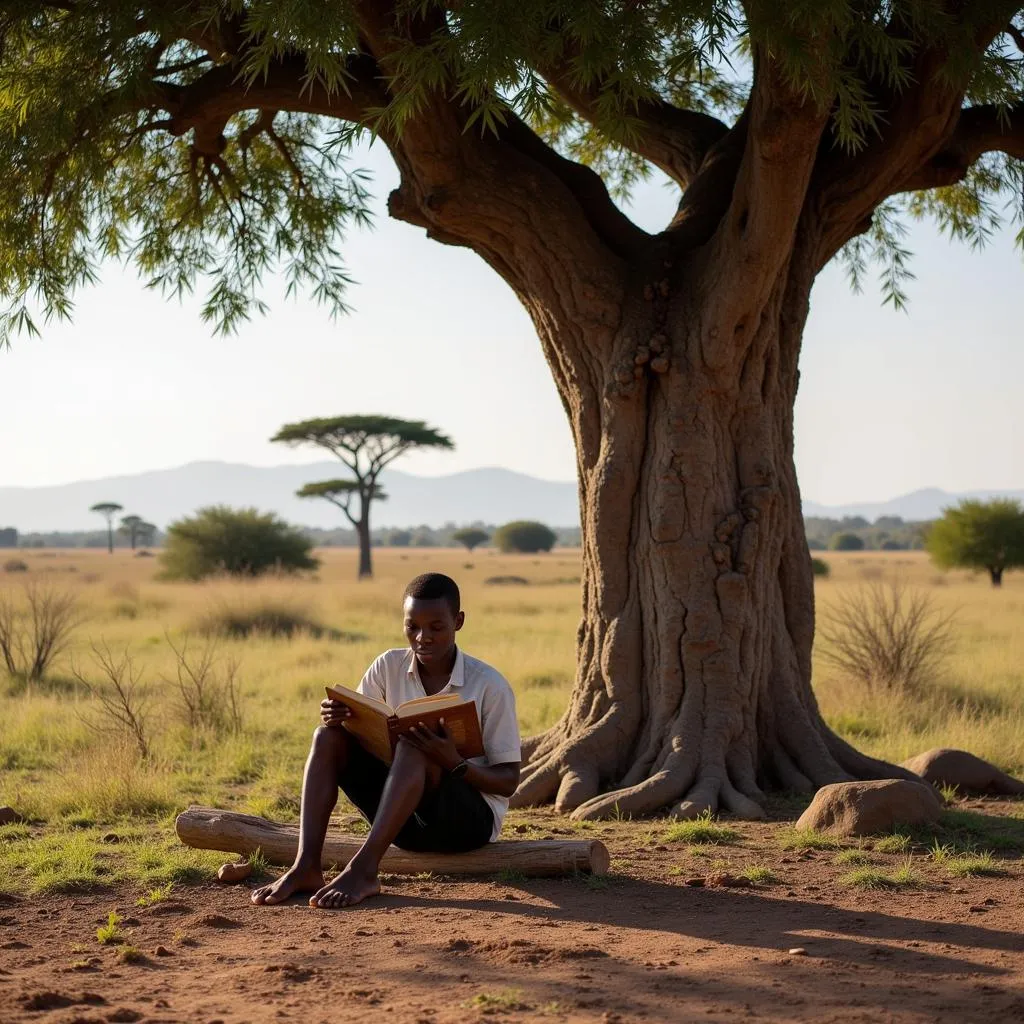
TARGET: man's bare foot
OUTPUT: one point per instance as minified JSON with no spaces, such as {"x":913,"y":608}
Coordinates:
{"x":298,"y":878}
{"x":352,"y":886}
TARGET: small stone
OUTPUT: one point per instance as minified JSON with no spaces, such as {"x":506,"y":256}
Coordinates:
{"x":162,"y":951}
{"x":798,"y":951}
{"x":228,"y":874}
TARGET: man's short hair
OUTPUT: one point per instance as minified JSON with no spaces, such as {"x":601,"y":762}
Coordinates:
{"x":435,"y":586}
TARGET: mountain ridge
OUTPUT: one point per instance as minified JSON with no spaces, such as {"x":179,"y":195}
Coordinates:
{"x":489,"y":494}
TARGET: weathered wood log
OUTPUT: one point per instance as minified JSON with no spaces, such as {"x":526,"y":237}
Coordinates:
{"x":207,"y":828}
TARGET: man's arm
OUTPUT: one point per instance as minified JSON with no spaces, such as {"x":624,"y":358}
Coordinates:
{"x":500,"y":779}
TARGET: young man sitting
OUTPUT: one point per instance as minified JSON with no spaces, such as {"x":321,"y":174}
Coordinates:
{"x":430,"y":799}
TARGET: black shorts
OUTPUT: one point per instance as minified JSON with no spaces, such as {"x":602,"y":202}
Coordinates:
{"x":453,"y":818}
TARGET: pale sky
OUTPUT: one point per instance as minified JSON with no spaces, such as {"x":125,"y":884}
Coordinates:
{"x":889,"y":402}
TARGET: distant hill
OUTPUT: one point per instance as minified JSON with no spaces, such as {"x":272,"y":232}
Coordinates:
{"x":476,"y":495}
{"x":161,"y":496}
{"x":918,"y":505}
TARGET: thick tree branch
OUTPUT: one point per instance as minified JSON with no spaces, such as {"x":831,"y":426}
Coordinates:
{"x":982,"y":129}
{"x":781,"y":143}
{"x":674,"y":140}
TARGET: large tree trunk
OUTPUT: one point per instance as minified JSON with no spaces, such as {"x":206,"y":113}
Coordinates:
{"x":694,"y":652}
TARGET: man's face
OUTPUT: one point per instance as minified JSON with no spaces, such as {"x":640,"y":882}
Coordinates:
{"x":430,"y":628}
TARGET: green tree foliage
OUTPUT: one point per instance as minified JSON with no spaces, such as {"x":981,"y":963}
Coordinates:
{"x":209,"y":138}
{"x":471,"y":537}
{"x":239,"y":542}
{"x":846,"y":542}
{"x":820,"y":567}
{"x":524,"y":536}
{"x":108,"y":509}
{"x":981,"y":535}
{"x":366,"y":445}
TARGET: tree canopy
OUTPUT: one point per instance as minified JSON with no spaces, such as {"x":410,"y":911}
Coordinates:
{"x":987,"y":536}
{"x":524,"y":536}
{"x":470,"y":537}
{"x":209,"y":139}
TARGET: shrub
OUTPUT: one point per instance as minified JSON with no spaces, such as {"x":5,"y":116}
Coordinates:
{"x":239,"y":542}
{"x":886,"y":636}
{"x":272,"y":617}
{"x":525,"y":537}
{"x":33,"y":635}
{"x":506,"y":581}
{"x":846,"y":542}
{"x":820,"y":567}
{"x":15,"y":565}
{"x":207,"y":690}
{"x":470,"y":537}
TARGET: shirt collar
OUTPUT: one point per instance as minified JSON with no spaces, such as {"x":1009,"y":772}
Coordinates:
{"x":458,"y":676}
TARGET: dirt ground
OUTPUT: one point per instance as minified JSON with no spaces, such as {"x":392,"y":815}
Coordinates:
{"x":639,"y":945}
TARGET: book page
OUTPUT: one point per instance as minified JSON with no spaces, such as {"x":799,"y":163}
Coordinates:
{"x":438,"y":700}
{"x":353,"y":699}
{"x":368,"y":721}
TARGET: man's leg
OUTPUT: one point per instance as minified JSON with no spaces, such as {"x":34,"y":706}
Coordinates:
{"x":328,"y":755}
{"x":412,"y":774}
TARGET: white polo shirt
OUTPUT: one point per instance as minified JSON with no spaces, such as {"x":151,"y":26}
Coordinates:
{"x":394,"y":678}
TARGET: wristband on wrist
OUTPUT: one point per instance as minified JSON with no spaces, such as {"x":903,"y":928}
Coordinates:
{"x":459,"y":770}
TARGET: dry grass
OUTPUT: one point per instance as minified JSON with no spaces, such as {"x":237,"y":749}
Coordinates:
{"x":56,"y":768}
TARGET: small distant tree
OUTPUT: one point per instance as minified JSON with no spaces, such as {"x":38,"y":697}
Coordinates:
{"x":470,"y":537}
{"x":525,"y":537}
{"x":108,"y":509}
{"x":399,"y":538}
{"x":846,"y":542}
{"x":147,"y":533}
{"x":979,"y":535}
{"x":240,"y":542}
{"x":131,"y":527}
{"x":366,"y":444}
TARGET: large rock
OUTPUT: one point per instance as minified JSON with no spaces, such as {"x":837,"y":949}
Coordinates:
{"x":9,"y":816}
{"x":970,"y":774}
{"x":863,"y":808}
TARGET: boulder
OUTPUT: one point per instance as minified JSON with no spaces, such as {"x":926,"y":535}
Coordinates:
{"x":863,"y":808}
{"x":9,"y":816}
{"x":970,"y":774}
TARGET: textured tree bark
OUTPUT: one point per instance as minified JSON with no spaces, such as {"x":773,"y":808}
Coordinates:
{"x":693,"y":682}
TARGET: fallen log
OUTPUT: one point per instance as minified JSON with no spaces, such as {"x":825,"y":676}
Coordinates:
{"x":207,"y":828}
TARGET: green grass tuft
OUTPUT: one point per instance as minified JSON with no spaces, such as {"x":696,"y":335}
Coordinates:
{"x":491,"y":1002}
{"x":157,"y":895}
{"x":759,"y":874}
{"x":898,"y":842}
{"x":808,"y":839}
{"x":700,"y":831}
{"x":873,"y":878}
{"x":971,"y":866}
{"x":110,"y":933}
{"x":851,"y":858}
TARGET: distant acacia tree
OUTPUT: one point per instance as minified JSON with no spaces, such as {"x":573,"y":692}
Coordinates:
{"x":132,"y":528}
{"x":239,"y":542}
{"x":108,"y":509}
{"x":470,"y":537}
{"x":980,"y":535}
{"x":365,"y":444}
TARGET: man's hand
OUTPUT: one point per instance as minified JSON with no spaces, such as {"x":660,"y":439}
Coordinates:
{"x":333,"y":713}
{"x":439,"y":746}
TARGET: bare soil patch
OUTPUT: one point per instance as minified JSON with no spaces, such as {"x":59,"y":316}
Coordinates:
{"x":639,"y":945}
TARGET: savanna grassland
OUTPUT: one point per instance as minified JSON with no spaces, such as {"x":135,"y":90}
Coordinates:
{"x":75,"y":774}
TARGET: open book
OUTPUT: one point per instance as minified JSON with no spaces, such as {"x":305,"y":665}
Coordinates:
{"x":377,"y":725}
